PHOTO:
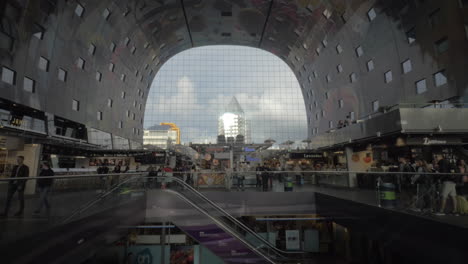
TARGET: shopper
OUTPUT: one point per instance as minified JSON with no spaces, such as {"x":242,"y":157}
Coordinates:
{"x":258,"y":174}
{"x":448,"y":184}
{"x":265,"y":177}
{"x":19,"y":171}
{"x":44,"y":186}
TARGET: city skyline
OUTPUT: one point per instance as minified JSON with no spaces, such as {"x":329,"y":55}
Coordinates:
{"x":193,"y":88}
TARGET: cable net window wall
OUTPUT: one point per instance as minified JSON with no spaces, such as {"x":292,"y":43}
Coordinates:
{"x":216,"y":91}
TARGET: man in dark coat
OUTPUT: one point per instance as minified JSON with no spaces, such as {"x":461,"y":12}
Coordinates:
{"x":19,"y":171}
{"x":44,"y":186}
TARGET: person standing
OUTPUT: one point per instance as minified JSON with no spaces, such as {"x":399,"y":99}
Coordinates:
{"x":265,"y":177}
{"x":44,"y":187}
{"x":258,"y":174}
{"x":448,"y":184}
{"x":19,"y":171}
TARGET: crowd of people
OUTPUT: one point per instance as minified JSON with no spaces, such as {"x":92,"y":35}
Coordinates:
{"x":429,"y":182}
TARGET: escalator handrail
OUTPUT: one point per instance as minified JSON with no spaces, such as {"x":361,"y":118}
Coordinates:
{"x":100,"y":197}
{"x":233,"y":219}
{"x":221,"y":224}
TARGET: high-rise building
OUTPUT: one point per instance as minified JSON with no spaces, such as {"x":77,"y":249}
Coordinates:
{"x":232,"y":124}
{"x":160,"y":136}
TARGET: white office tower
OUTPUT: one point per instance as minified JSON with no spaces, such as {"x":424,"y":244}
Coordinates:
{"x":231,"y":124}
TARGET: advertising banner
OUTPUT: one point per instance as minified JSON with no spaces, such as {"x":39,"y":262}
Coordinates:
{"x":292,"y":240}
{"x":211,"y":179}
{"x":182,"y":255}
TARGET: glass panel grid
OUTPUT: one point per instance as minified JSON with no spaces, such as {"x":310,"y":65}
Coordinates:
{"x":196,"y":88}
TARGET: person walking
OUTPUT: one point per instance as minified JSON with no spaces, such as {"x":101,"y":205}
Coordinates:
{"x":19,"y":171}
{"x":44,"y":187}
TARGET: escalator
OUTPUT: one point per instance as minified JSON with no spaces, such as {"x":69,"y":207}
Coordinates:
{"x":96,"y":222}
{"x":222,"y":233}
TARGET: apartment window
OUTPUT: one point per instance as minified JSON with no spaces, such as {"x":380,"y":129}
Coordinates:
{"x":317,"y":51}
{"x":99,"y":115}
{"x":146,"y":45}
{"x":126,"y":12}
{"x":339,"y":68}
{"x":352,"y":116}
{"x":75,"y":105}
{"x":38,"y":31}
{"x":323,"y":113}
{"x":327,"y":95}
{"x":388,"y":76}
{"x":330,"y":124}
{"x":317,"y":116}
{"x":128,"y":113}
{"x":407,"y":66}
{"x":359,"y":51}
{"x":112,"y":47}
{"x":315,"y":74}
{"x":43,"y":64}
{"x":122,"y":77}
{"x":137,"y":73}
{"x":329,"y":78}
{"x":353,"y":77}
{"x":106,"y":13}
{"x":327,"y":13}
{"x":371,"y":14}
{"x":324,"y":43}
{"x":134,"y":103}
{"x":62,"y":75}
{"x":411,"y":35}
{"x":315,"y":104}
{"x":435,"y":18}
{"x":370,"y":65}
{"x":375,"y":106}
{"x":79,"y":10}
{"x":29,"y":85}
{"x":421,"y":86}
{"x":123,"y":95}
{"x":120,"y":124}
{"x":110,"y":102}
{"x":126,"y":41}
{"x":442,"y":45}
{"x":139,"y":107}
{"x":91,"y":49}
{"x":111,"y":67}
{"x":339,"y":49}
{"x":133,"y":116}
{"x":98,"y":76}
{"x":340,"y":103}
{"x":132,"y":50}
{"x":440,"y":78}
{"x":80,"y":63}
{"x":304,"y":45}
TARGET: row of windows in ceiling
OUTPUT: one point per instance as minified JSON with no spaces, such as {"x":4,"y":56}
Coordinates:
{"x":440,"y":45}
{"x":439,"y":78}
{"x":80,"y":63}
{"x":79,"y":11}
{"x":9,"y":76}
{"x":99,"y":115}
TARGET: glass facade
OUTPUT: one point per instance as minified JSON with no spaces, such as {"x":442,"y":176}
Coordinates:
{"x":194,"y":89}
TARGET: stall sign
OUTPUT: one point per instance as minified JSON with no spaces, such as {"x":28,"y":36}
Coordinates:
{"x":431,"y":141}
{"x":305,"y":155}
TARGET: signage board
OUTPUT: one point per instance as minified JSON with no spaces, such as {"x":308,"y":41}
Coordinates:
{"x":292,"y":240}
{"x":306,"y":155}
{"x":433,"y":141}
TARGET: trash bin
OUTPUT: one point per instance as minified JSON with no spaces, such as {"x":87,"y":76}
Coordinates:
{"x":288,"y":184}
{"x":387,"y":195}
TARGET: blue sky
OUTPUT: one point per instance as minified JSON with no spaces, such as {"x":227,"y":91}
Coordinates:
{"x":193,"y":88}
